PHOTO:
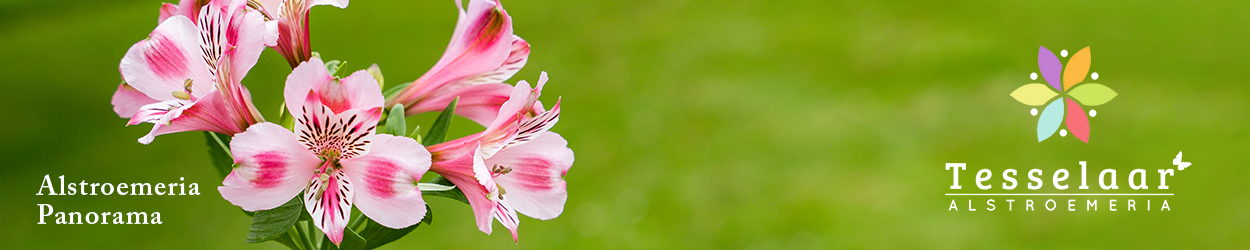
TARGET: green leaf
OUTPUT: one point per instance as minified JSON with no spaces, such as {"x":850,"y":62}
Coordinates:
{"x":286,"y":119}
{"x":358,"y":219}
{"x":273,"y":223}
{"x":1092,"y":94}
{"x":395,"y":122}
{"x":219,"y":151}
{"x":454,"y":193}
{"x":377,"y":235}
{"x":341,"y":72}
{"x":429,"y":216}
{"x":376,"y":72}
{"x":440,"y":180}
{"x":304,"y":216}
{"x":416,"y":133}
{"x":439,"y":131}
{"x":289,"y":241}
{"x":333,"y":66}
{"x":391,"y":92}
{"x":305,"y":233}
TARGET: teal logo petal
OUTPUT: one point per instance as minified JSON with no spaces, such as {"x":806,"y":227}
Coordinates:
{"x":1050,"y":119}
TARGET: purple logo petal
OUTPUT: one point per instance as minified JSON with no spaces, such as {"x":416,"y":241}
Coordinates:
{"x":1050,"y":66}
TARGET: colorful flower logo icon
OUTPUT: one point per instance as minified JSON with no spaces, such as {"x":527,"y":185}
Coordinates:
{"x":1073,"y":92}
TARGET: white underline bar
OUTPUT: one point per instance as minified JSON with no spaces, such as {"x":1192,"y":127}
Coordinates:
{"x":1059,"y":194}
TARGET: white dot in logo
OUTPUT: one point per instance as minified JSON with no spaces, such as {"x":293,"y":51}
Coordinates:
{"x":1094,"y":75}
{"x":1034,"y":76}
{"x":1063,"y":53}
{"x":1063,"y":132}
{"x":1033,"y":112}
{"x":1093,"y":113}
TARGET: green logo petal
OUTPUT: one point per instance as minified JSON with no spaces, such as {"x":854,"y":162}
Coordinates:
{"x":1033,"y":94}
{"x":1092,"y":94}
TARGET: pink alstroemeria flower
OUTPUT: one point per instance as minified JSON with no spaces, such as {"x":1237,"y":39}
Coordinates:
{"x":516,"y":165}
{"x":334,"y":156}
{"x":186,"y":77}
{"x":482,"y":54}
{"x":290,"y":19}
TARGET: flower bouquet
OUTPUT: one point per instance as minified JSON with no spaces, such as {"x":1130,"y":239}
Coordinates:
{"x":339,"y":167}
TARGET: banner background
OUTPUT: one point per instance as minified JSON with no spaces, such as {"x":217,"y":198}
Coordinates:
{"x":728,"y":124}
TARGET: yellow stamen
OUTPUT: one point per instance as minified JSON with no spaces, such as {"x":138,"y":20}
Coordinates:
{"x":181,"y":95}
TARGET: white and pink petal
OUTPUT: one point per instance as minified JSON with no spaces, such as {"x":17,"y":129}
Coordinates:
{"x":160,"y":115}
{"x":387,"y":178}
{"x":328,"y":199}
{"x":517,"y":115}
{"x":360,"y":90}
{"x":350,"y":133}
{"x":481,"y":42}
{"x":505,"y":213}
{"x":271,"y":168}
{"x":127,"y":100}
{"x":479,"y":103}
{"x":271,"y":8}
{"x":460,"y":170}
{"x":356,"y":91}
{"x":520,"y":98}
{"x":306,"y":77}
{"x":209,"y":113}
{"x":162,"y":65}
{"x":228,"y":28}
{"x":535,"y":182}
{"x":535,"y":127}
{"x":517,"y":56}
{"x":188,"y":8}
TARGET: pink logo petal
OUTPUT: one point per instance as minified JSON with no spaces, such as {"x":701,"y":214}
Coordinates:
{"x":1076,"y":121}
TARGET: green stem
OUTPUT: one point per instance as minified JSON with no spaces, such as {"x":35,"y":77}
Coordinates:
{"x":223,"y":145}
{"x":306,"y":236}
{"x":355,"y":224}
{"x":296,"y":237}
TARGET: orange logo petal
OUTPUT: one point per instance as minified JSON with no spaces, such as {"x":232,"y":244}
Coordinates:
{"x":1077,"y":68}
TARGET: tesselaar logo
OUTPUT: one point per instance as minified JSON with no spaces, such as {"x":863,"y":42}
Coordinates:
{"x":1065,"y":95}
{"x":1065,"y":92}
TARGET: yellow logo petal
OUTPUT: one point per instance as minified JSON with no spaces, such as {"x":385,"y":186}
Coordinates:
{"x":1033,"y":94}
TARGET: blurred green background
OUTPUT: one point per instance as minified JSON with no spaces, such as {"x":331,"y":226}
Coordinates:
{"x":725,"y":124}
